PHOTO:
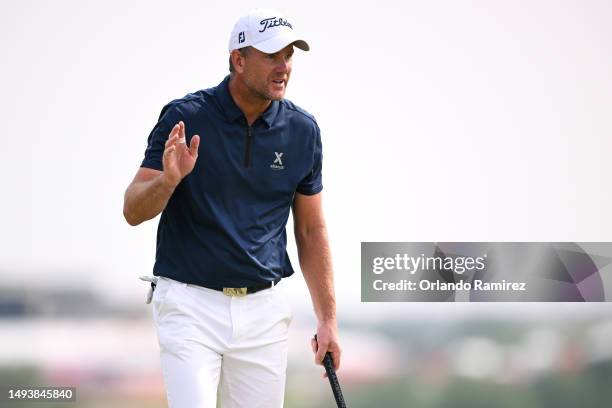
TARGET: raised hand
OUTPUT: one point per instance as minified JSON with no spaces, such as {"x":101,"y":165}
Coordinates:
{"x":179,"y":159}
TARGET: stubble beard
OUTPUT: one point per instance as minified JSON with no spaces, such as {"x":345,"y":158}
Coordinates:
{"x":262,"y":92}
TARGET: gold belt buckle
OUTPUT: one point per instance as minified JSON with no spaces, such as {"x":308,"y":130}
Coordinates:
{"x":235,"y":291}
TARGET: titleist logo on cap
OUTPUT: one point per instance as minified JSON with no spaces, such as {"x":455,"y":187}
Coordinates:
{"x":273,"y":22}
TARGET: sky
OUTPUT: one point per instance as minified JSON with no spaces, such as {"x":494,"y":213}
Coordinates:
{"x":441,"y":121}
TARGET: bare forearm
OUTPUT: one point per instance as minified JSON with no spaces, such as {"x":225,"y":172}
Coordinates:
{"x":144,"y":200}
{"x":316,"y":264}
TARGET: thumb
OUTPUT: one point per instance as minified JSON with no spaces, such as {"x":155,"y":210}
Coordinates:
{"x":320,"y":354}
{"x":193,"y":145}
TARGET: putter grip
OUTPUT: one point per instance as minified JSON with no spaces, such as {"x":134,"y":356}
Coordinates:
{"x":333,"y":379}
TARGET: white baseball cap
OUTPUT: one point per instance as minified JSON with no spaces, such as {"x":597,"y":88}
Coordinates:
{"x":267,"y":30}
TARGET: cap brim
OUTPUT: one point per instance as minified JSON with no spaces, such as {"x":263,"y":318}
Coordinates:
{"x":278,"y":43}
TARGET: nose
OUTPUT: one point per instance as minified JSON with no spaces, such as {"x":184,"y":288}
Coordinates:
{"x":283,"y":66}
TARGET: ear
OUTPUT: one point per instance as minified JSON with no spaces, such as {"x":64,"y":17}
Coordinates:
{"x":238,"y":61}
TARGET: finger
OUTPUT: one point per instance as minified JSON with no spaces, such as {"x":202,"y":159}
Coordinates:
{"x":181,"y":146}
{"x":318,"y":358}
{"x":320,"y":355}
{"x":336,"y":360}
{"x":193,"y":145}
{"x":174,"y":130}
{"x":169,"y":150}
{"x":171,"y":140}
{"x":181,"y":143}
{"x":182,"y":131}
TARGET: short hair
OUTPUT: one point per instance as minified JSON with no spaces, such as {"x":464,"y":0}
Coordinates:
{"x":243,"y":51}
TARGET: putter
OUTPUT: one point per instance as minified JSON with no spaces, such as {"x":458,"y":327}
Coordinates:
{"x":333,"y":378}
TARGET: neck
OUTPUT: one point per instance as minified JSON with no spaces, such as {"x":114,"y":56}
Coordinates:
{"x":251,"y":105}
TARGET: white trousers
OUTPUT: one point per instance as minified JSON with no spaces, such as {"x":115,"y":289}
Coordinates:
{"x":212,"y":344}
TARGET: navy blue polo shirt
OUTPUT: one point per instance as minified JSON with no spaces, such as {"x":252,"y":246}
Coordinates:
{"x":224,"y":225}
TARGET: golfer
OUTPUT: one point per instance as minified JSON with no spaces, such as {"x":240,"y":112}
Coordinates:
{"x":224,"y":166}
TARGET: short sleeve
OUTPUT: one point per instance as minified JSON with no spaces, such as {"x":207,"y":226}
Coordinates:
{"x":156,"y":142}
{"x":313,"y":182}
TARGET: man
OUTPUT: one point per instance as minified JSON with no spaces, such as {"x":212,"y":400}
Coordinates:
{"x":220,"y":317}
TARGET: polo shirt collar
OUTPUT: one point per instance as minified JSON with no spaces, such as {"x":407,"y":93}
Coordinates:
{"x":233,"y":112}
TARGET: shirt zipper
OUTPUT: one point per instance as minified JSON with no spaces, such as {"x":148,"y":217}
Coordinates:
{"x":247,"y":149}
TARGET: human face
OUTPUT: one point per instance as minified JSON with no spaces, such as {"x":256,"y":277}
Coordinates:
{"x":266,"y":75}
